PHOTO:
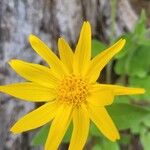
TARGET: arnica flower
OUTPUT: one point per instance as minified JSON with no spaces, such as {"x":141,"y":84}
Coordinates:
{"x":69,"y":89}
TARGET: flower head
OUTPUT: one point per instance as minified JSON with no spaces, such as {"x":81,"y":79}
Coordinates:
{"x":69,"y":88}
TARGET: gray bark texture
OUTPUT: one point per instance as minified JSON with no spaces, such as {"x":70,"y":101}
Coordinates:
{"x":49,"y":19}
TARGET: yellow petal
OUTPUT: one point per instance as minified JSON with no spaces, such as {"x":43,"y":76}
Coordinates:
{"x":83,"y":50}
{"x":104,"y":123}
{"x":58,"y":127}
{"x":66,"y":54}
{"x":29,"y":91}
{"x":118,"y":90}
{"x":101,"y":97}
{"x":99,"y":62}
{"x":80,"y":128}
{"x":34,"y":72}
{"x":47,"y":54}
{"x":36,"y":118}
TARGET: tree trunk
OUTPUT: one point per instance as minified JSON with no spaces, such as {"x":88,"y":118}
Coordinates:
{"x":49,"y":19}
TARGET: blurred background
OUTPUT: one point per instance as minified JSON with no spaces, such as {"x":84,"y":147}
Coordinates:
{"x":51,"y":19}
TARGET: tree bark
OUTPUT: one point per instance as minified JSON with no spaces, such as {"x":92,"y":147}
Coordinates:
{"x":49,"y":19}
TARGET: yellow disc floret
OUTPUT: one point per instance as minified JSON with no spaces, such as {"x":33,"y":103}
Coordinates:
{"x":73,"y":90}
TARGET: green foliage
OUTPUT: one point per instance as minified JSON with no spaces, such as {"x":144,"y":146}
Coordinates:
{"x":94,"y":131}
{"x":97,"y":147}
{"x":122,"y":99}
{"x":104,"y":144}
{"x":140,"y":64}
{"x":146,"y":121}
{"x":133,"y":62}
{"x":109,"y":145}
{"x":125,"y":139}
{"x":141,"y":82}
{"x":134,"y":59}
{"x":145,"y":138}
{"x":41,"y":136}
{"x":97,"y":47}
{"x":140,"y":27}
{"x":125,"y":116}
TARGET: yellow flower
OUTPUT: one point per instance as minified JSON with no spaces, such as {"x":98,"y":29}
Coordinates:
{"x":69,"y":88}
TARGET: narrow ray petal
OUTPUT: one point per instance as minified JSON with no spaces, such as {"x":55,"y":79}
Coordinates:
{"x":104,"y":122}
{"x":99,"y":62}
{"x":47,"y":54}
{"x":36,"y":118}
{"x":29,"y":91}
{"x":58,"y":127}
{"x":34,"y":72}
{"x":66,"y":54}
{"x":101,"y":97}
{"x":83,"y":50}
{"x":81,"y":124}
{"x":117,"y":89}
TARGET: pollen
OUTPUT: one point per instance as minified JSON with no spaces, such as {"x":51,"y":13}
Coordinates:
{"x":73,"y":90}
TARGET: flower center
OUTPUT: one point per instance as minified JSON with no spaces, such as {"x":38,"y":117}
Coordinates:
{"x":73,"y":90}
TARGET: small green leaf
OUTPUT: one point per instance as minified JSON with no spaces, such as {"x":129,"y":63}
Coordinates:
{"x":41,"y":136}
{"x":97,"y":47}
{"x":140,"y":27}
{"x":125,"y":115}
{"x":144,"y":42}
{"x":97,"y":147}
{"x":133,"y":59}
{"x":140,"y":64}
{"x":146,"y":121}
{"x":94,"y":131}
{"x":143,"y":83}
{"x":127,"y":46}
{"x":104,"y":144}
{"x":122,"y":99}
{"x":120,"y":66}
{"x":145,"y":140}
{"x":108,"y":145}
{"x":136,"y":128}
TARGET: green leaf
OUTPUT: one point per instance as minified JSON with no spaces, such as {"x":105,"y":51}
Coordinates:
{"x":122,"y":99}
{"x":94,"y":131}
{"x":140,"y":27}
{"x":146,"y":121}
{"x":145,"y":140}
{"x":108,"y":145}
{"x":97,"y":147}
{"x":144,"y":42}
{"x":143,"y":83}
{"x":120,"y":66}
{"x":41,"y":136}
{"x":127,"y":46}
{"x":140,"y":64}
{"x":125,"y":139}
{"x":97,"y":47}
{"x":136,"y":128}
{"x":133,"y":59}
{"x":104,"y":144}
{"x":125,"y":115}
